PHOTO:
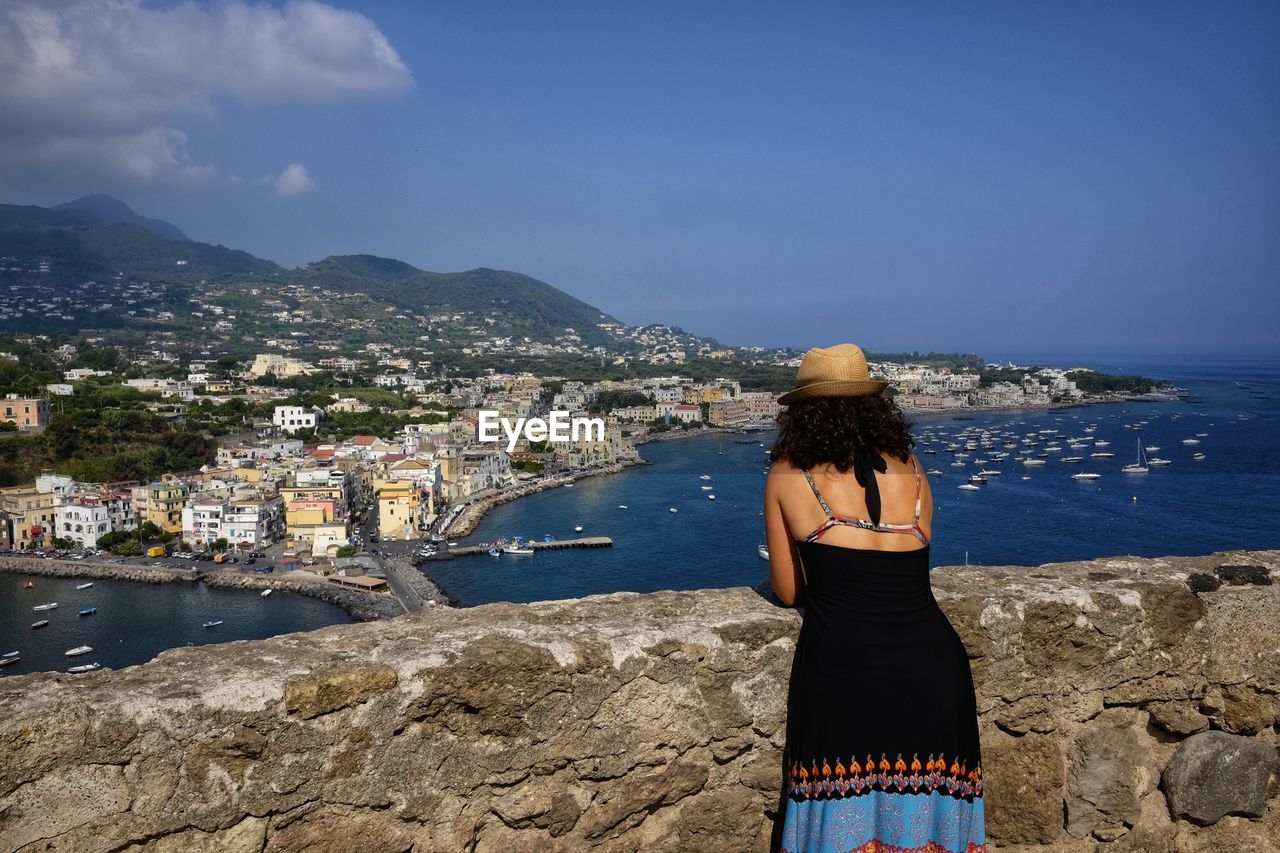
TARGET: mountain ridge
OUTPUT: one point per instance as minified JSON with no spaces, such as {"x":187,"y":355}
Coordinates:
{"x":107,"y":208}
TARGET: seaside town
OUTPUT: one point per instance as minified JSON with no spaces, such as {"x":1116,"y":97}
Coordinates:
{"x":282,"y":494}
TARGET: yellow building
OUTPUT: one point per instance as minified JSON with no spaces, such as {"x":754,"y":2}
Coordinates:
{"x":28,"y":515}
{"x":165,"y":502}
{"x":399,"y":508}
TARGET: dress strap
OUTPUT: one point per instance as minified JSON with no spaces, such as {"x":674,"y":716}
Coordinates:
{"x":916,"y":466}
{"x":817,"y":494}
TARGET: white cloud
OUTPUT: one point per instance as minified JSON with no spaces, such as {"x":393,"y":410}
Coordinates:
{"x":294,"y":180}
{"x":106,"y":84}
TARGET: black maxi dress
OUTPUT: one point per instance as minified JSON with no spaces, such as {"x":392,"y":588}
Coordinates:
{"x":883,"y":754}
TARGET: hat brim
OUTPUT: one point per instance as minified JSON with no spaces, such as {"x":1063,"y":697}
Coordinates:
{"x":833,"y":388}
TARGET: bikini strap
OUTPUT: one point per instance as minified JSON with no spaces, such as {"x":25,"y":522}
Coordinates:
{"x":817,"y":494}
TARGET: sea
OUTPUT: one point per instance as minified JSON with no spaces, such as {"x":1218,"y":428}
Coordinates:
{"x":136,"y":621}
{"x":1229,"y":500}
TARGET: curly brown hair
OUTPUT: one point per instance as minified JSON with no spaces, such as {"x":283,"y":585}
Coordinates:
{"x":836,"y":429}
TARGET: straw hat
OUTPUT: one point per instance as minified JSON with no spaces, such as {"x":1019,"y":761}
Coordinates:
{"x":838,"y":371}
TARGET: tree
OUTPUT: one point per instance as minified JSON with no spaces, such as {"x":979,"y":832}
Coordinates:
{"x":347,"y":551}
{"x":220,"y":544}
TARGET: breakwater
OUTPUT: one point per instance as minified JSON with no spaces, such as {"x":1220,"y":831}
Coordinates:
{"x":362,"y":606}
{"x":1124,"y":704}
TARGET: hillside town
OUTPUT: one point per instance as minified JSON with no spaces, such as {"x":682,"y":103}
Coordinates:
{"x":280,"y":483}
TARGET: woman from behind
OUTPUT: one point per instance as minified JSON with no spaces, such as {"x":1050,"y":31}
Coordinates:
{"x":882,"y":748}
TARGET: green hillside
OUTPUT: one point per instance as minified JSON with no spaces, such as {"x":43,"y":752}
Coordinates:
{"x":74,"y":245}
{"x":519,"y":304}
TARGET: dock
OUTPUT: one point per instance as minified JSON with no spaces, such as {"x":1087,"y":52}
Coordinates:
{"x":584,"y":542}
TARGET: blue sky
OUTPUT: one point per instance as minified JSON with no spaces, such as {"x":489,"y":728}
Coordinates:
{"x":978,"y":177}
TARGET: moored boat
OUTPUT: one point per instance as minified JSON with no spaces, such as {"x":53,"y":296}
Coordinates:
{"x":84,"y":585}
{"x":78,"y":650}
{"x":40,"y":624}
{"x":50,"y":606}
{"x":86,"y":667}
{"x":213,"y":623}
{"x":88,"y":611}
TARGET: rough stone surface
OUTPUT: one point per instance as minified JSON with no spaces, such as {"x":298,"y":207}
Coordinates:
{"x":638,"y":722}
{"x":1215,"y":774}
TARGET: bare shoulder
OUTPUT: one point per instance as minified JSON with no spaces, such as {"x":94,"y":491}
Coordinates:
{"x":781,"y":473}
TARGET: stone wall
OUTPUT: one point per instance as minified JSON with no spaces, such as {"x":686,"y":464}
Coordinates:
{"x":1126,"y":704}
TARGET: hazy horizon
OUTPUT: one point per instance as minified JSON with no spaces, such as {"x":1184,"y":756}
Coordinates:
{"x":994,"y":178}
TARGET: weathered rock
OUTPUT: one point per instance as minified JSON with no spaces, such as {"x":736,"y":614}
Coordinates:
{"x":331,"y":688}
{"x":1025,"y":778}
{"x":1110,"y":768}
{"x":1213,"y":774}
{"x":634,"y":722}
{"x":1242,"y":574}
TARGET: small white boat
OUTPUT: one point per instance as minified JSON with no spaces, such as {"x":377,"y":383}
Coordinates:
{"x":521,"y":550}
{"x":1156,"y":460}
{"x":577,"y":528}
{"x":1101,"y":443}
{"x":40,"y":624}
{"x":50,"y":606}
{"x":1190,"y":441}
{"x":1085,"y":475}
{"x":87,"y":667}
{"x":1025,"y":477}
{"x":213,"y":623}
{"x":1151,"y":448}
{"x":934,"y":472}
{"x":84,"y":585}
{"x":706,"y":488}
{"x":10,"y":655}
{"x":1199,"y":457}
{"x":986,"y":473}
{"x":622,"y":506}
{"x":494,"y":552}
{"x":88,"y":611}
{"x":8,"y":661}
{"x":1107,"y":455}
{"x":711,"y":497}
{"x":78,"y":650}
{"x":763,"y":551}
{"x":704,"y":477}
{"x":266,"y":592}
{"x":1033,"y":462}
{"x":672,"y":509}
{"x":970,"y":487}
{"x":1202,"y":434}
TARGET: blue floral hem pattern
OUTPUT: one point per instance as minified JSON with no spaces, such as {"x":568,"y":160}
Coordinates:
{"x":883,"y":822}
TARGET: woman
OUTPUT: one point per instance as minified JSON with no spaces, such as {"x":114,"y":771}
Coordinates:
{"x":882,"y":735}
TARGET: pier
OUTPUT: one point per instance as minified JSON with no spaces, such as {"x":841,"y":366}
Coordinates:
{"x":584,"y":542}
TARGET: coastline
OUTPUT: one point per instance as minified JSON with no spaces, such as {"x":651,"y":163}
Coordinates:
{"x":360,"y":606}
{"x":466,"y":521}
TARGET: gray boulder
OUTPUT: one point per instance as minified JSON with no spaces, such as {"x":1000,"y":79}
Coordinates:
{"x":1213,"y":774}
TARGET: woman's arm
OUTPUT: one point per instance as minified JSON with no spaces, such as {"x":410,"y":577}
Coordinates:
{"x":786,"y":575}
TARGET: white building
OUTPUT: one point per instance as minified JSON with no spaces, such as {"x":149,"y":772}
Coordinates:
{"x":293,"y":418}
{"x":83,"y":519}
{"x":254,"y":524}
{"x":202,"y":521}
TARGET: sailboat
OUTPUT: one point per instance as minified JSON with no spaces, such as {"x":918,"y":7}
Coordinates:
{"x":1139,"y":467}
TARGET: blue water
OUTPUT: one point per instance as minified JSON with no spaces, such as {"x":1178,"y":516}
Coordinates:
{"x":137,"y":621}
{"x":1227,"y":501}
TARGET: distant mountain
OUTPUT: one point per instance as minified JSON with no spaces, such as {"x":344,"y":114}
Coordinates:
{"x":525,"y":305}
{"x":73,"y":243}
{"x":105,"y":208}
